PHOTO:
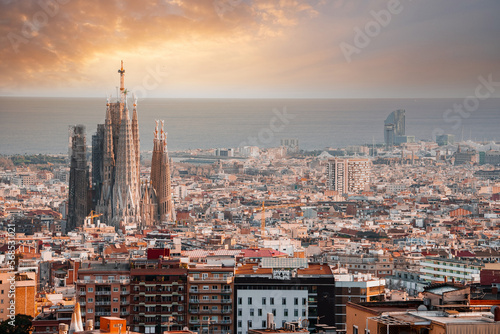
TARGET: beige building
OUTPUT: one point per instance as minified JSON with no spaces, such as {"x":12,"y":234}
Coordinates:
{"x":348,"y":175}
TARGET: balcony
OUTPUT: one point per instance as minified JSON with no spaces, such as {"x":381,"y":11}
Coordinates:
{"x":82,"y":303}
{"x":194,"y":301}
{"x":124,"y":313}
{"x":225,"y":311}
{"x":103,"y":313}
{"x":123,"y":293}
{"x":103,"y":293}
{"x":107,"y":302}
{"x":227,"y":280}
{"x":194,"y":322}
{"x":82,"y":293}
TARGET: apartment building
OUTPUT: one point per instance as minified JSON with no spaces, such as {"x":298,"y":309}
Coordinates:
{"x":375,"y":264}
{"x":441,"y":269}
{"x":210,"y":291}
{"x":355,"y":289}
{"x":158,"y":295}
{"x":103,"y":289}
{"x":289,"y":288}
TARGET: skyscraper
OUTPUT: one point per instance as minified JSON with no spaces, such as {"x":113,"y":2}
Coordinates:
{"x":119,"y":193}
{"x":78,"y":207}
{"x":394,"y":126}
{"x":348,"y":175}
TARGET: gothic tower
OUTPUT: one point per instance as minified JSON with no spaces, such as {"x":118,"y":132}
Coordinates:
{"x":119,"y":196}
{"x":161,"y":176}
{"x":78,"y":206}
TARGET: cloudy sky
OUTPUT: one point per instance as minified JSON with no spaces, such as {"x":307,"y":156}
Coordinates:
{"x":249,"y":48}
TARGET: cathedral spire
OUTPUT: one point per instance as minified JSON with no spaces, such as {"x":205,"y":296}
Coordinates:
{"x":122,"y":82}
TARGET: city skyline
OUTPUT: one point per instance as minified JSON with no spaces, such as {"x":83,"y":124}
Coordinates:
{"x":225,"y":49}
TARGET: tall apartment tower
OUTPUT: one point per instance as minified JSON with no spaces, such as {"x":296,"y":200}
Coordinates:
{"x":119,"y":193}
{"x":394,"y":126}
{"x":348,"y":175}
{"x":78,"y":207}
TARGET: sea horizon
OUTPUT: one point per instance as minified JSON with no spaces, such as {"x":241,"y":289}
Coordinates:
{"x":32,"y":125}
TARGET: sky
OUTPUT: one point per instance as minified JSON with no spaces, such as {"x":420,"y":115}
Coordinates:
{"x":250,"y":48}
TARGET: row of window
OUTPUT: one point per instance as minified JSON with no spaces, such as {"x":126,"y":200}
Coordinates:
{"x":91,"y":289}
{"x":271,"y":301}
{"x":259,"y":312}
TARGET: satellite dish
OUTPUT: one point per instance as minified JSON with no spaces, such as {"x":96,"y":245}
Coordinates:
{"x":422,"y":308}
{"x":185,"y":328}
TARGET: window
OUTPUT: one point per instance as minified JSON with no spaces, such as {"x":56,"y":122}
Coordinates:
{"x":249,"y":323}
{"x":303,"y":301}
{"x":303,"y":312}
{"x":259,"y":312}
{"x":215,"y":287}
{"x":240,"y":312}
{"x":90,"y":290}
{"x":239,"y":301}
{"x":206,"y":287}
{"x":285,"y":312}
{"x":251,"y":312}
{"x":274,"y":312}
{"x":90,"y":300}
{"x":115,"y":300}
{"x":263,"y":300}
{"x":115,"y":289}
{"x":115,"y":310}
{"x":283,"y":301}
{"x":239,"y":323}
{"x":89,"y":310}
{"x":249,"y":300}
{"x":264,"y":324}
{"x":271,"y":300}
{"x":354,"y":329}
{"x":295,"y":312}
{"x":215,"y":297}
{"x":296,"y":301}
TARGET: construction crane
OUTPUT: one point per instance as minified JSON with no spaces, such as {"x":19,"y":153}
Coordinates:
{"x":263,"y":218}
{"x":92,"y":216}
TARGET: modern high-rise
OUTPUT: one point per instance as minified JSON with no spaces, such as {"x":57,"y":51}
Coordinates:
{"x":394,"y":126}
{"x":78,"y":207}
{"x":117,"y":162}
{"x":348,"y":175}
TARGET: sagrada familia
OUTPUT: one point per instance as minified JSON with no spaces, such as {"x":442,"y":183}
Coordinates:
{"x":117,"y":191}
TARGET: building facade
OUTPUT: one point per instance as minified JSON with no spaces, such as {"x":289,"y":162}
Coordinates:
{"x":394,"y":126}
{"x":103,"y":289}
{"x":302,"y":292}
{"x":78,"y":207}
{"x":210,"y":291}
{"x":348,"y":175}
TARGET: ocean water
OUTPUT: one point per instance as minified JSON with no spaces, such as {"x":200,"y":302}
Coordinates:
{"x":40,"y":125}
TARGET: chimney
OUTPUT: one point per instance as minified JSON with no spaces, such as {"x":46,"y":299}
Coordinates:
{"x":496,"y":313}
{"x":63,"y":329}
{"x":89,"y":325}
{"x":445,"y":279}
{"x":270,"y":320}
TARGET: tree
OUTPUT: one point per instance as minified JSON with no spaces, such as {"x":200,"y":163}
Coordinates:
{"x":22,"y":325}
